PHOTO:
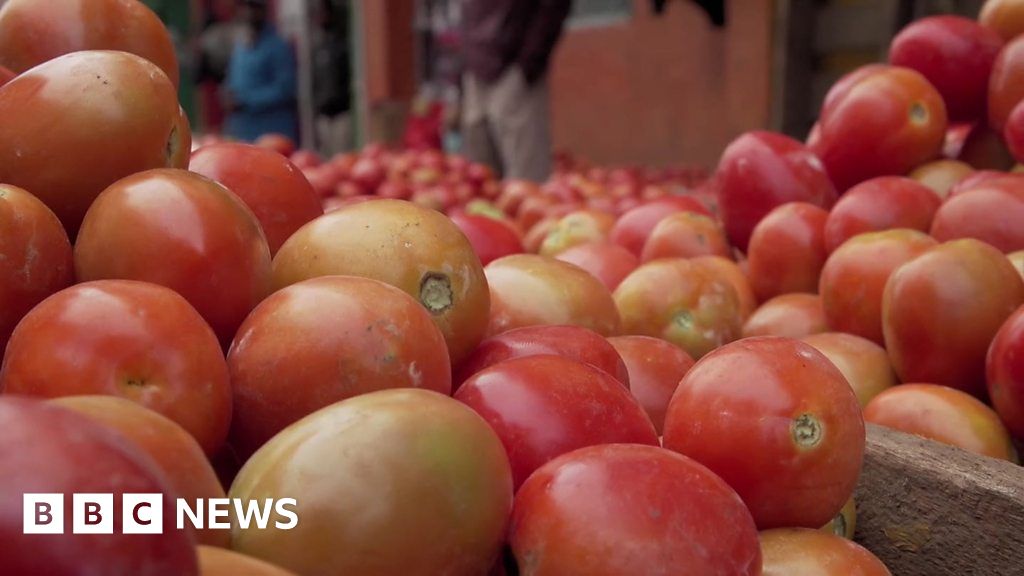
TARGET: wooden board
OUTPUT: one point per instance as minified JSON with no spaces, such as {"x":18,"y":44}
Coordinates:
{"x":927,"y":509}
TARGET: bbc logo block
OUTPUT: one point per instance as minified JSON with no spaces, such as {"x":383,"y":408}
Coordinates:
{"x":93,"y":514}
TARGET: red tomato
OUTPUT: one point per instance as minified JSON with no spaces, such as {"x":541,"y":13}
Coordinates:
{"x":632,"y":228}
{"x":760,"y":171}
{"x":579,"y":227}
{"x":180,"y":230}
{"x":1006,"y":86}
{"x":984,"y":149}
{"x":907,"y":127}
{"x":103,"y":135}
{"x":1006,"y":17}
{"x":139,"y":341}
{"x":792,"y":315}
{"x":655,"y":368}
{"x":942,"y":414}
{"x":865,"y":364}
{"x":853,"y":279}
{"x":373,"y":476}
{"x":787,"y":250}
{"x":536,"y":234}
{"x":513,"y":193}
{"x":271,"y":186}
{"x":686,"y":235}
{"x":987,"y":178}
{"x":279,"y":143}
{"x":1005,"y":373}
{"x":544,"y":406}
{"x":628,"y":509}
{"x":35,"y":256}
{"x":990,"y":212}
{"x":1013,"y":132}
{"x":6,"y":75}
{"x":941,"y":310}
{"x":491,"y":238}
{"x":778,"y":422}
{"x":803,"y":552}
{"x":52,"y":450}
{"x":842,"y":88}
{"x":956,"y":55}
{"x":572,"y":342}
{"x":33,"y":32}
{"x":303,"y":159}
{"x":878,"y":204}
{"x":732,"y":273}
{"x":608,"y":262}
{"x":941,"y":175}
{"x":215,"y":561}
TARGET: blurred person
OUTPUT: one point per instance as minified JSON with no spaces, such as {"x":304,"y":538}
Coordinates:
{"x":507,"y":48}
{"x":216,"y":43}
{"x":260,"y":91}
{"x":332,"y":77}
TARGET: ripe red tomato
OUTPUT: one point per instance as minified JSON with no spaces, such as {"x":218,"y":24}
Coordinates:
{"x":760,"y":171}
{"x":513,"y":193}
{"x":778,"y":422}
{"x":792,"y":315}
{"x":180,"y":230}
{"x":956,"y":55}
{"x":1013,"y":132}
{"x":103,"y":135}
{"x":787,"y":250}
{"x":803,"y":552}
{"x":632,"y":229}
{"x":53,"y":450}
{"x":6,"y":75}
{"x":34,"y":32}
{"x":1005,"y":373}
{"x":990,"y":212}
{"x":1006,"y":86}
{"x":608,"y":262}
{"x":686,"y":235}
{"x":878,"y":204}
{"x":987,"y":178}
{"x":35,"y":256}
{"x":655,"y":367}
{"x":907,"y":127}
{"x":941,"y":175}
{"x":941,"y":310}
{"x":1006,"y":17}
{"x":372,"y":476}
{"x":731,"y":272}
{"x":628,"y":509}
{"x":942,"y":414}
{"x":279,"y":143}
{"x":544,"y":406}
{"x":865,"y":364}
{"x":842,"y":88}
{"x":491,"y":238}
{"x":271,"y":186}
{"x":215,"y":561}
{"x":579,"y":227}
{"x":417,"y":250}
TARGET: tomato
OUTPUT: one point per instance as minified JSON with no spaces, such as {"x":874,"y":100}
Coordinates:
{"x":841,"y":89}
{"x":990,"y":212}
{"x":732,"y":273}
{"x":987,"y":178}
{"x":577,"y":228}
{"x":117,"y":115}
{"x":689,"y":304}
{"x":628,"y":509}
{"x":35,"y":256}
{"x":1005,"y":373}
{"x":6,"y":76}
{"x":1017,"y":259}
{"x":170,"y":446}
{"x":1013,"y":132}
{"x":513,"y":193}
{"x":608,"y":262}
{"x":853,"y":279}
{"x":271,"y":186}
{"x":572,"y":342}
{"x":686,"y":235}
{"x":323,"y":340}
{"x":632,"y":229}
{"x":372,"y":476}
{"x":778,"y":422}
{"x":414,"y":249}
{"x":760,"y":171}
{"x":844,"y":524}
{"x":1006,"y":86}
{"x":941,"y":310}
{"x":1006,"y":17}
{"x":787,"y":250}
{"x":491,"y":238}
{"x":531,"y":290}
{"x":52,"y":450}
{"x":792,"y":315}
{"x":941,"y":175}
{"x":907,"y":127}
{"x":123,"y":338}
{"x":303,"y":159}
{"x":33,"y":32}
{"x":534,"y":209}
{"x":803,"y":552}
{"x":984,"y":149}
{"x":942,"y":414}
{"x":865,"y":364}
{"x":215,"y":561}
{"x":956,"y":55}
{"x":536,"y":234}
{"x":655,"y":368}
{"x":283,"y":145}
{"x":878,"y":204}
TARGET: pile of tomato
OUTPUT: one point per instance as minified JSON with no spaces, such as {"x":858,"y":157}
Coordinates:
{"x":618,"y":371}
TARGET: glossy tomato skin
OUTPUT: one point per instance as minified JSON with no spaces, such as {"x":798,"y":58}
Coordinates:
{"x":908,"y":127}
{"x":630,"y":509}
{"x":214,"y":561}
{"x":1013,"y":132}
{"x":942,"y":414}
{"x":864,"y":363}
{"x":686,"y":235}
{"x":6,"y":75}
{"x":842,"y":87}
{"x":734,"y":274}
{"x":545,"y":406}
{"x":778,"y":422}
{"x":122,"y":338}
{"x":941,"y":310}
{"x":56,"y":451}
{"x":787,"y":250}
{"x":760,"y":171}
{"x":956,"y":55}
{"x":572,"y":342}
{"x":417,"y":250}
{"x":793,"y":315}
{"x":1006,"y":17}
{"x":990,"y":212}
{"x":655,"y":368}
{"x":357,"y":470}
{"x":634,"y":226}
{"x":491,"y":238}
{"x":320,"y":341}
{"x":34,"y":32}
{"x":118,"y":115}
{"x":853,"y":279}
{"x":577,"y":228}
{"x":184,"y":231}
{"x":941,"y":175}
{"x":1006,"y":86}
{"x":35,"y":256}
{"x":271,"y":186}
{"x":804,"y":552}
{"x":1005,"y":373}
{"x":610,"y":263}
{"x":879,"y":204}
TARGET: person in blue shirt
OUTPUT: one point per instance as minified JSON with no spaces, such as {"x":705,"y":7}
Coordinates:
{"x":260,"y":90}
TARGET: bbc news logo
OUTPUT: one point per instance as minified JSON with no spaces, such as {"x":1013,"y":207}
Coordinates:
{"x":144,"y":513}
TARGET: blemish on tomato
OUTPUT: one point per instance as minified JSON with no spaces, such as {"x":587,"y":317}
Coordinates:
{"x":806,"y":431}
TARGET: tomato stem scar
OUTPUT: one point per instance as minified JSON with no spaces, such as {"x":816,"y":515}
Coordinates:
{"x":436,"y":292}
{"x":806,"y":431}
